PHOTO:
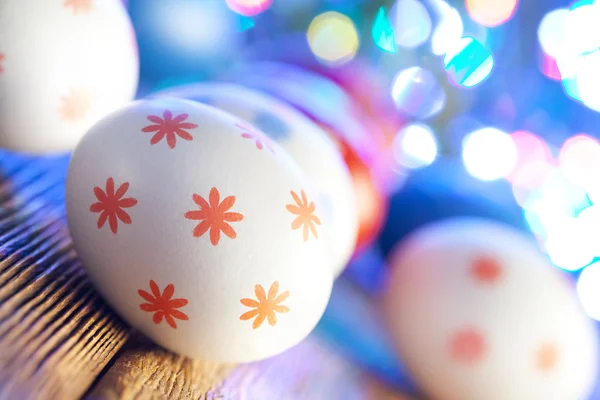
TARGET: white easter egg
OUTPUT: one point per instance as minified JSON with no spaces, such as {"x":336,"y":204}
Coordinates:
{"x":306,"y":142}
{"x":64,"y":64}
{"x":478,"y":313}
{"x":191,"y":224}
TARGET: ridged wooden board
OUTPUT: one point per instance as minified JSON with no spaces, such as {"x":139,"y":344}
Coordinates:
{"x":145,"y":371}
{"x":56,"y":334}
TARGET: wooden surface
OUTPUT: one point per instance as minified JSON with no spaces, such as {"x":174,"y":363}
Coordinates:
{"x":56,"y":335}
{"x":58,"y":340}
{"x":144,"y":371}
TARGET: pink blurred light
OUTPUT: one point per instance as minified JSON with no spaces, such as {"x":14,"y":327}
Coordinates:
{"x":249,"y":8}
{"x":534,"y":160}
{"x":548,"y":66}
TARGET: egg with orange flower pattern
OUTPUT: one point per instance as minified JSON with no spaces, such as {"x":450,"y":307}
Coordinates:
{"x":199,"y":230}
{"x":306,"y":142}
{"x":64,"y":64}
{"x":477,"y":312}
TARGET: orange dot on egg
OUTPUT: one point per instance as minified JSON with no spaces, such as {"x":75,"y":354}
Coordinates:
{"x":468,"y":346}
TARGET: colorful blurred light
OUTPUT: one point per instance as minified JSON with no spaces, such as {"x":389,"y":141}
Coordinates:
{"x":249,"y":8}
{"x":579,"y":160}
{"x":587,"y":289}
{"x":191,"y":29}
{"x":417,"y":93}
{"x":570,"y":87}
{"x":569,"y":248}
{"x":468,"y":62}
{"x":580,"y":37}
{"x":588,"y":223}
{"x":491,"y":12}
{"x":562,"y":215}
{"x":333,"y":38}
{"x":534,"y":160}
{"x":489,"y":154}
{"x":582,"y":27}
{"x":411,"y":22}
{"x":549,"y":67}
{"x":552,"y":32}
{"x":383,"y":33}
{"x":588,"y":79}
{"x":415,"y":146}
{"x":449,"y":28}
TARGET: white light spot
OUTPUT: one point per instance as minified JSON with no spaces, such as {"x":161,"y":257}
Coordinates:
{"x":489,"y":154}
{"x":415,"y":146}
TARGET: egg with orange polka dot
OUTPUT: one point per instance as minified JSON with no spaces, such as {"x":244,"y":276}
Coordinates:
{"x":64,"y":64}
{"x":477,"y":312}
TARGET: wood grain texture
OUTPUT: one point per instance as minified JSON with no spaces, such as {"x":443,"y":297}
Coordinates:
{"x":145,"y":371}
{"x":310,"y":371}
{"x":56,"y":334}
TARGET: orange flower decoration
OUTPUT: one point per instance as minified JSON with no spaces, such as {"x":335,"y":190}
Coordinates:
{"x":486,"y":270}
{"x":110,"y":205}
{"x":169,"y":127}
{"x":75,"y":105}
{"x":305,"y":215}
{"x":214,"y":216}
{"x":265,"y":306}
{"x":162,"y":305}
{"x":547,"y":357}
{"x":84,"y":6}
{"x":1,"y":59}
{"x":261,"y":140}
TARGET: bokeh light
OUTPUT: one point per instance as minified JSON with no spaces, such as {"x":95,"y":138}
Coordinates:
{"x":468,"y":62}
{"x":411,"y":23}
{"x":333,"y":38}
{"x":568,"y":249}
{"x":588,"y":79}
{"x":415,"y":146}
{"x":588,"y":223}
{"x":491,"y":12}
{"x":579,"y":160}
{"x":552,"y":32}
{"x":489,"y":154}
{"x":448,"y":30}
{"x":383,"y":32}
{"x":582,"y":27}
{"x":192,"y":29}
{"x":587,"y":289}
{"x":534,"y":160}
{"x":249,"y":8}
{"x":580,"y":37}
{"x":549,"y":67}
{"x":417,"y":93}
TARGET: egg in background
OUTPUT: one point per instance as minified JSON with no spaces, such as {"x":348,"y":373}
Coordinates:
{"x":477,"y":312}
{"x":64,"y":64}
{"x":328,"y":105}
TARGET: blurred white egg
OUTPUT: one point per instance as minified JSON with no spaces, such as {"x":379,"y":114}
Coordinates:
{"x":199,"y":230}
{"x":306,"y":142}
{"x":64,"y":64}
{"x":478,"y":313}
